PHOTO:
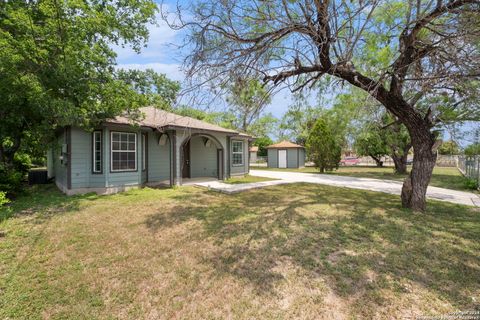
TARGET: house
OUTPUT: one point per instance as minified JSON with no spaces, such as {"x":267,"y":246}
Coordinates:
{"x":285,"y":155}
{"x":253,"y":154}
{"x":162,"y":148}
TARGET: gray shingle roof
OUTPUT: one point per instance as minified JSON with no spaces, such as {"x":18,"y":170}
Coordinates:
{"x":156,"y":118}
{"x":284,"y":145}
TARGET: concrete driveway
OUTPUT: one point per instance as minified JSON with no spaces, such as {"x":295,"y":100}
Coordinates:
{"x":387,"y":186}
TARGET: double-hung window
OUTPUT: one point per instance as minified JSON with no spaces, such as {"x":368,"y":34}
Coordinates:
{"x":237,"y":153}
{"x":123,"y":153}
{"x":97,"y":152}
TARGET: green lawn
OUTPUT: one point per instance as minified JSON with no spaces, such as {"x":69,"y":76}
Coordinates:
{"x":290,"y":251}
{"x":247,"y":179}
{"x":449,"y":178}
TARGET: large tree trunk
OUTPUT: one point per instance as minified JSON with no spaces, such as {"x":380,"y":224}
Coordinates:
{"x":424,"y":156}
{"x":400,"y":163}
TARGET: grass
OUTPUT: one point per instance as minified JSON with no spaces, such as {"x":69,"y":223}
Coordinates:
{"x":290,"y":251}
{"x":449,"y":178}
{"x":247,"y":179}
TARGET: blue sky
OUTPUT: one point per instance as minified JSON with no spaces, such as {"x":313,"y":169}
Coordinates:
{"x":160,"y":54}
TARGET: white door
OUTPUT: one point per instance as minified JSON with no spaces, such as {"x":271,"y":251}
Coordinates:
{"x":282,"y":158}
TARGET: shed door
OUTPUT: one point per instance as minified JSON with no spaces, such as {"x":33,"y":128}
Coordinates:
{"x":282,"y":158}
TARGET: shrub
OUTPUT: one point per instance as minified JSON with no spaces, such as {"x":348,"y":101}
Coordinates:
{"x":22,"y":162}
{"x":471,"y":184}
{"x":3,"y":198}
{"x":11,"y":181}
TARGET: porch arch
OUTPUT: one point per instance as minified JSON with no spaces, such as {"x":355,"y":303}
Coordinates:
{"x":202,"y":155}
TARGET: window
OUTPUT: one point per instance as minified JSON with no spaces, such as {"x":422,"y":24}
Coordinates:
{"x":97,"y":151}
{"x":123,"y":153}
{"x":144,"y":151}
{"x":237,"y":153}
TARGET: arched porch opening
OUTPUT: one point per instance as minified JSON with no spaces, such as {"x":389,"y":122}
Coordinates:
{"x":202,"y":156}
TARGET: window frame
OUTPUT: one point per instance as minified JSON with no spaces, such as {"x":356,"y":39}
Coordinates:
{"x":127,"y":151}
{"x":94,"y":160}
{"x":144,"y":151}
{"x":237,"y":152}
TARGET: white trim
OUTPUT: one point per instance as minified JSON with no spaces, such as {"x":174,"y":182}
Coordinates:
{"x":241,"y":152}
{"x":130,"y":151}
{"x":94,"y":160}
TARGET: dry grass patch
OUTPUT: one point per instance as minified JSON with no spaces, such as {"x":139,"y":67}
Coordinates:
{"x":290,"y":251}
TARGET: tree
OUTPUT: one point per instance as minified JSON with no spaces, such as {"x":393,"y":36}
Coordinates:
{"x":297,"y":122}
{"x":248,"y":98}
{"x":449,"y":148}
{"x":262,"y":143}
{"x":58,"y":67}
{"x":371,"y":143}
{"x":264,"y":126}
{"x":418,"y":59}
{"x":472,"y":150}
{"x":322,"y":146}
{"x":156,"y":88}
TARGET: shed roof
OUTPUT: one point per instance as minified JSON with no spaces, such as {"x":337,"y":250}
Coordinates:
{"x":156,"y":118}
{"x":284,"y":145}
{"x":253,"y":149}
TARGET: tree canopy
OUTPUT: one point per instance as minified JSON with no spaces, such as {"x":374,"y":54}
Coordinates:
{"x":58,"y":66}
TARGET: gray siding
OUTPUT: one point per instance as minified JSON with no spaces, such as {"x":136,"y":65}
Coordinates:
{"x":239,"y":169}
{"x":272,"y":158}
{"x":82,"y":149}
{"x":292,"y":158}
{"x":295,"y":158}
{"x":301,"y":161}
{"x":203,"y":159}
{"x":158,"y":159}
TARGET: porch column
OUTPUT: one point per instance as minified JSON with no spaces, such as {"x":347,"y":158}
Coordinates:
{"x":178,"y":156}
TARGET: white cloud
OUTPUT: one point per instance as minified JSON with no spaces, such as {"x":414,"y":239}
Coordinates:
{"x":172,"y":70}
{"x":160,"y":36}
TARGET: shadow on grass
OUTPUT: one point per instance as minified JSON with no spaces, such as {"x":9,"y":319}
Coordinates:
{"x":360,"y":242}
{"x":44,"y":201}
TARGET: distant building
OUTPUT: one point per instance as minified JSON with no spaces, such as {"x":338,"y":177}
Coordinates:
{"x":253,"y":154}
{"x":286,"y":154}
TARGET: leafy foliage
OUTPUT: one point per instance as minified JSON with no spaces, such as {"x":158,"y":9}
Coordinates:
{"x":371,"y":143}
{"x":323,"y":147}
{"x":159,"y":91}
{"x":473,"y":149}
{"x":248,"y":97}
{"x":3,"y":198}
{"x":262,"y":143}
{"x":449,"y":148}
{"x":58,"y":66}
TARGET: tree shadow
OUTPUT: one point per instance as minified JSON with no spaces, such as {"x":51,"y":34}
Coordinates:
{"x":360,"y":242}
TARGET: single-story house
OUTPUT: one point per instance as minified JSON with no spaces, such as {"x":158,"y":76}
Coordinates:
{"x":161,"y":148}
{"x":253,"y":154}
{"x":285,"y":154}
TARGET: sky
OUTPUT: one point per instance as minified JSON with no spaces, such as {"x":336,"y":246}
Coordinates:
{"x":161,"y":55}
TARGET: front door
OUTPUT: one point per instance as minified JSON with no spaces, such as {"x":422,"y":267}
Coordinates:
{"x":282,"y":158}
{"x":186,"y":160}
